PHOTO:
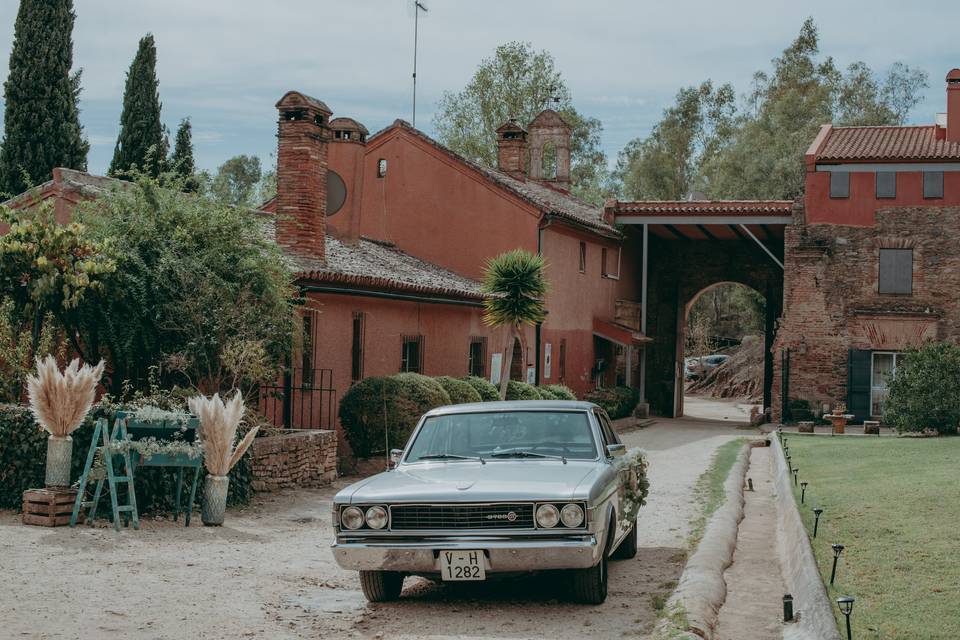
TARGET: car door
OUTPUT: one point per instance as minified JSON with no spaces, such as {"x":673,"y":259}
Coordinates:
{"x":622,"y":477}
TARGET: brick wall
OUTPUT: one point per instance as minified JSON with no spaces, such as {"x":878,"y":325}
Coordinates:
{"x":296,"y":459}
{"x":831,"y":302}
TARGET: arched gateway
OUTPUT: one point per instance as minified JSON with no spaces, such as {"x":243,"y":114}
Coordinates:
{"x":689,"y":247}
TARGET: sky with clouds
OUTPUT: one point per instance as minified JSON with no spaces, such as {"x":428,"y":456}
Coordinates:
{"x":224,"y":63}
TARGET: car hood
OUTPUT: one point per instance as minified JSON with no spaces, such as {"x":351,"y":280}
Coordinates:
{"x":475,"y":482}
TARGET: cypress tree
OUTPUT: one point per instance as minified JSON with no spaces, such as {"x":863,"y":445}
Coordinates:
{"x":141,"y":143}
{"x":182,"y":159}
{"x":41,"y":121}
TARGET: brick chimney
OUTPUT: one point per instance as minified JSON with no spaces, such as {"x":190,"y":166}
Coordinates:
{"x":303,"y":135}
{"x":512,"y":149}
{"x":550,"y":135}
{"x":953,"y":105}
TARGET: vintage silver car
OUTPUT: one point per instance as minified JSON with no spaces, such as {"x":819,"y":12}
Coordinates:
{"x":489,"y":490}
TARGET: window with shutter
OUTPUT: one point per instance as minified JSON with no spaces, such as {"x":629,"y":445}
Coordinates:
{"x":858,"y":384}
{"x":839,"y":184}
{"x":933,"y":184}
{"x":411,"y":356}
{"x":896,"y":271}
{"x":886,"y":184}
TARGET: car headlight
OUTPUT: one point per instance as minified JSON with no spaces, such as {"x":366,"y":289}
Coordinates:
{"x":571,"y":515}
{"x":376,"y":517}
{"x":351,"y":518}
{"x":547,"y":516}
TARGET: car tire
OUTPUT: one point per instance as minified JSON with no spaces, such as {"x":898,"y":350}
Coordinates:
{"x":381,"y":586}
{"x":627,"y":548}
{"x":590,"y":585}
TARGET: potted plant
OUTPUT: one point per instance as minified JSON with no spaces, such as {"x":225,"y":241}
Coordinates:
{"x":839,"y":418}
{"x":60,"y":402}
{"x":218,"y":431}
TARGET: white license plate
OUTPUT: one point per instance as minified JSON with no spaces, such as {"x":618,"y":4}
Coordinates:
{"x":462,"y":565}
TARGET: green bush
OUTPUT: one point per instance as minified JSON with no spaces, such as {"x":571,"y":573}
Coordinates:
{"x":460,"y":391}
{"x":522,"y":391}
{"x":618,"y":402}
{"x":488,"y":392}
{"x":923,"y":395}
{"x":380,"y":413}
{"x":556,"y":392}
{"x":23,"y":455}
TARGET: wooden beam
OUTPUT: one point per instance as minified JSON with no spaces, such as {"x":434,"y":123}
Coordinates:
{"x":676,"y":232}
{"x":706,"y":232}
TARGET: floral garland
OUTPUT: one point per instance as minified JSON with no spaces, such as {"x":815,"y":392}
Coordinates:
{"x":153,"y":413}
{"x":146,"y":448}
{"x":634,"y":494}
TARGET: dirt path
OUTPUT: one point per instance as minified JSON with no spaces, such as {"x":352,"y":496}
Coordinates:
{"x":269,"y":573}
{"x":753,"y":608}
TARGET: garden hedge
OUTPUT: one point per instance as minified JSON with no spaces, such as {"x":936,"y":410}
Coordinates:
{"x":23,"y":455}
{"x":618,"y":402}
{"x":556,"y":392}
{"x":522,"y":391}
{"x":380,"y":413}
{"x":460,"y":391}
{"x":488,"y":392}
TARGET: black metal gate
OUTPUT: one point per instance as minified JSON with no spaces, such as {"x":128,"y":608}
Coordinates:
{"x":301,"y":399}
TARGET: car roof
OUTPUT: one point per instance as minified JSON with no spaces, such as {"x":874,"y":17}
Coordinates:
{"x":513,"y":405}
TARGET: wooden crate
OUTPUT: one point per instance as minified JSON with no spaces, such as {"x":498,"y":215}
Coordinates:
{"x":49,"y":507}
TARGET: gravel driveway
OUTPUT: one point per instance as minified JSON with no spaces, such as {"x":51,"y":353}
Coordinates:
{"x":269,"y":573}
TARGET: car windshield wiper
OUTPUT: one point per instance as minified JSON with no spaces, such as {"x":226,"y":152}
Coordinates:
{"x":450,"y":456}
{"x":523,"y":453}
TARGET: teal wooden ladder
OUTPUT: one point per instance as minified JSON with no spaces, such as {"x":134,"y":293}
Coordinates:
{"x":129,"y":511}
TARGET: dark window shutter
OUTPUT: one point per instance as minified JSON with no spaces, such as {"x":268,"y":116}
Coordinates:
{"x":896,"y":271}
{"x":839,"y":184}
{"x":886,"y":184}
{"x":933,"y":184}
{"x":858,"y":384}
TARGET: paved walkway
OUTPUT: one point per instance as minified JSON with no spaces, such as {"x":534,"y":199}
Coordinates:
{"x":755,"y":588}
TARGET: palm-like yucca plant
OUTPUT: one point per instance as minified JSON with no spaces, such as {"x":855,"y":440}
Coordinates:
{"x":514,"y":285}
{"x":60,"y":402}
{"x":219,"y":421}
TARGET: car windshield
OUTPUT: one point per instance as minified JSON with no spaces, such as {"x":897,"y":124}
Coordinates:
{"x":503,"y":435}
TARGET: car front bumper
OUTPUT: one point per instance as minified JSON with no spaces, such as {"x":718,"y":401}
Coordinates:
{"x":500,"y":555}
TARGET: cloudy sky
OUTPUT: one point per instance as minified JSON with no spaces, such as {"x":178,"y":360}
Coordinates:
{"x":225,"y":62}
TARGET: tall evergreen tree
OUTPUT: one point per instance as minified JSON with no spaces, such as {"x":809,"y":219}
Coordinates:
{"x":182,"y":159}
{"x":41,"y":122}
{"x":141,"y":143}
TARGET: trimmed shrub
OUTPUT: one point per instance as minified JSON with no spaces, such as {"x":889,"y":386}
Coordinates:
{"x":556,"y":392}
{"x":380,"y":413}
{"x":618,"y":402}
{"x":923,"y":395}
{"x":488,"y":392}
{"x":522,"y":391}
{"x":460,"y":391}
{"x":23,"y":457}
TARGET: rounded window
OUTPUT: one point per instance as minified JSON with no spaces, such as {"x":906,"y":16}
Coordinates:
{"x":336,"y":193}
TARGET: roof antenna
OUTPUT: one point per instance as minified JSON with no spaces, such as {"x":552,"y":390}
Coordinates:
{"x":415,"y":7}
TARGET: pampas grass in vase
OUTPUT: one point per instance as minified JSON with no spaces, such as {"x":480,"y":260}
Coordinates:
{"x":60,"y":402}
{"x":218,"y":432}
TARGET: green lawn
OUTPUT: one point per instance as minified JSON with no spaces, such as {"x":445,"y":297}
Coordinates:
{"x":895,"y":504}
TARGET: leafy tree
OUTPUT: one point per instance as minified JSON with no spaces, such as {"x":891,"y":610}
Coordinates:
{"x":198,"y":290}
{"x":237,"y":179}
{"x":514,"y":285}
{"x":41,"y":118}
{"x":142,"y":143}
{"x":519,"y":82}
{"x":705,"y":142}
{"x":181,"y":162}
{"x":923,"y":394}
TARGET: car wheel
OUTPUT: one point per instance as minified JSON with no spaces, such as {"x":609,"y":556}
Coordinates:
{"x":381,"y":586}
{"x":590,"y":585}
{"x":627,"y":548}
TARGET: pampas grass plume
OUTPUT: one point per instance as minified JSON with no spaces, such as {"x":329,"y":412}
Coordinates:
{"x":60,"y":401}
{"x":218,"y":430}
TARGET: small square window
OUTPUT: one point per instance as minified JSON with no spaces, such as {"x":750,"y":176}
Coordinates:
{"x":839,"y":184}
{"x":933,"y":184}
{"x":583,"y":257}
{"x":381,"y":167}
{"x":886,"y":184}
{"x":896,"y":271}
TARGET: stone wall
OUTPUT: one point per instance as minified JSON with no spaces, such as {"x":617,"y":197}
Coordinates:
{"x":831,"y":303}
{"x":294,"y":459}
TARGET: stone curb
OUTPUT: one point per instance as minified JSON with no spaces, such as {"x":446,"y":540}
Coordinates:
{"x":702,"y":590}
{"x":797,"y":562}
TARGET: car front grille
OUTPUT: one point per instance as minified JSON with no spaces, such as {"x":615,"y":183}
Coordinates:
{"x":423,"y":517}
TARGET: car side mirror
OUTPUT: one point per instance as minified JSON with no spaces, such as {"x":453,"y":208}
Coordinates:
{"x":395,"y":455}
{"x":616,"y":450}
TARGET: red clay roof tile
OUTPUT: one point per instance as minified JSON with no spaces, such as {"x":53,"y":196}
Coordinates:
{"x":886,"y":144}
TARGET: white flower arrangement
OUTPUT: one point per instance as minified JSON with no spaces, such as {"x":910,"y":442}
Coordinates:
{"x":634,"y":493}
{"x":147,"y":448}
{"x":151,"y":413}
